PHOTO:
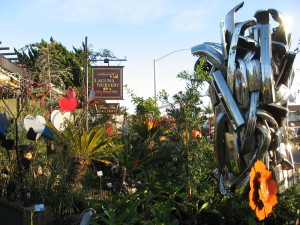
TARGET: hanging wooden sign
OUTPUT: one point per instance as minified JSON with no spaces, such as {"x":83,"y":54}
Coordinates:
{"x":107,"y":108}
{"x":109,"y":81}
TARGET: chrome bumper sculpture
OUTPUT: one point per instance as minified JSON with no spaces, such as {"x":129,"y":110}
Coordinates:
{"x":253,"y":71}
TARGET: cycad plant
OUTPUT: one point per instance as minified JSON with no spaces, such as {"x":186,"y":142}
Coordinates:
{"x":86,"y":146}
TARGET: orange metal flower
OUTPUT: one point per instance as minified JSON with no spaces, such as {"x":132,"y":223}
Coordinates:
{"x":263,"y":190}
{"x":195,"y":134}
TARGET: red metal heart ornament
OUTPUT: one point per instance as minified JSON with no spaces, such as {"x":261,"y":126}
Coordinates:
{"x":68,"y":104}
{"x":40,"y":97}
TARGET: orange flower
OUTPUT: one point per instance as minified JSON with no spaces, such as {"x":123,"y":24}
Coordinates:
{"x":263,"y":190}
{"x":195,"y":134}
{"x":150,"y":125}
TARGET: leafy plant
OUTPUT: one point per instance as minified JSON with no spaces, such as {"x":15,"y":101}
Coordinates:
{"x":95,"y":144}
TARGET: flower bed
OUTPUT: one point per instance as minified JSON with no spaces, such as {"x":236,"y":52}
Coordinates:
{"x":14,"y":213}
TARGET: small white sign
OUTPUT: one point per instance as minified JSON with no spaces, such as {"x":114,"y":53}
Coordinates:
{"x":39,"y":207}
{"x":99,"y":173}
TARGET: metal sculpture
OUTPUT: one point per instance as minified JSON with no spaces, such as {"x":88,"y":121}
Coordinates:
{"x":253,"y":71}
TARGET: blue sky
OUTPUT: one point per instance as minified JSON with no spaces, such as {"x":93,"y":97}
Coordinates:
{"x":138,"y":29}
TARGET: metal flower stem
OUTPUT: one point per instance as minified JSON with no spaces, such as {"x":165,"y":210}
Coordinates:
{"x":100,"y":186}
{"x":19,"y":110}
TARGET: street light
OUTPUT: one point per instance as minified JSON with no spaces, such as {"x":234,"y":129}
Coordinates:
{"x":155,"y":60}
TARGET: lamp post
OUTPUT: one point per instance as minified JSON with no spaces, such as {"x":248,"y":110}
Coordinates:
{"x":87,"y":81}
{"x":154,"y":65}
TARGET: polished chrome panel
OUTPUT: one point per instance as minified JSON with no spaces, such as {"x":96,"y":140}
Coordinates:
{"x":241,"y":85}
{"x":266,"y":116}
{"x":279,"y":32}
{"x":225,"y":96}
{"x":264,"y":142}
{"x":268,"y":90}
{"x":286,"y":72}
{"x":230,"y":22}
{"x":220,"y":151}
{"x":249,"y":56}
{"x":251,"y":122}
{"x":282,"y":94}
{"x":224,"y":44}
{"x":254,"y":75}
{"x":211,"y":52}
{"x":231,"y":67}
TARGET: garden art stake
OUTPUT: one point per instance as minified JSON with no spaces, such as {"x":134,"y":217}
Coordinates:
{"x":21,"y":104}
{"x":91,"y":98}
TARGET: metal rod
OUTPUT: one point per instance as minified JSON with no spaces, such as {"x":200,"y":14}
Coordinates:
{"x":154,"y":61}
{"x":154,"y":80}
{"x":8,"y":53}
{"x":95,"y":60}
{"x":100,"y":186}
{"x":179,"y":50}
{"x":87,"y":82}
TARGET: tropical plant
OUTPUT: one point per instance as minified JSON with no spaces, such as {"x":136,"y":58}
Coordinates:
{"x":155,"y":203}
{"x":84,"y":146}
{"x":142,"y":150}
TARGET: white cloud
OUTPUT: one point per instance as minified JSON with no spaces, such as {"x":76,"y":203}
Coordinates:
{"x":123,"y":11}
{"x":182,"y":15}
{"x":193,"y":17}
{"x":188,"y":20}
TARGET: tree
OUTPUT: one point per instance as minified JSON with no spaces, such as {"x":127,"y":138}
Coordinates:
{"x":189,"y":114}
{"x":50,"y":66}
{"x":144,"y":106}
{"x":191,"y":109}
{"x":51,"y":61}
{"x":48,"y":62}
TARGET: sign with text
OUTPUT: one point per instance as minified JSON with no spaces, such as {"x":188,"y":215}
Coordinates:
{"x":107,"y":108}
{"x":109,"y":81}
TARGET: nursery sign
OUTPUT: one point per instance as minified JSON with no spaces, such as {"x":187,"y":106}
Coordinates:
{"x":109,"y":81}
{"x":108,"y":108}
